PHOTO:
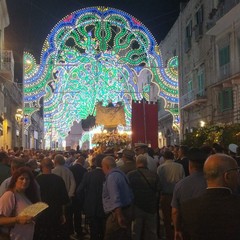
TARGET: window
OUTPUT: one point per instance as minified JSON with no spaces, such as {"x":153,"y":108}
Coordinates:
{"x":199,"y":16}
{"x":188,"y":35}
{"x":226,"y":99}
{"x":190,"y":86}
{"x":190,"y":89}
{"x":189,"y":30}
{"x":200,"y":79}
{"x":224,"y":56}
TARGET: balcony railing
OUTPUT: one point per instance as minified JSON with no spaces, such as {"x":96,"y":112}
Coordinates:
{"x":192,"y":98}
{"x":223,"y":8}
{"x":224,"y":71}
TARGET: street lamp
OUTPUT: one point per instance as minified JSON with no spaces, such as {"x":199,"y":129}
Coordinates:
{"x":19,"y":117}
{"x":202,"y":123}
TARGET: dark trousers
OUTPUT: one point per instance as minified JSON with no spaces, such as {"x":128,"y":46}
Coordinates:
{"x":75,"y":217}
{"x":165,"y":203}
{"x":97,"y":227}
{"x":114,"y":231}
{"x":50,"y":232}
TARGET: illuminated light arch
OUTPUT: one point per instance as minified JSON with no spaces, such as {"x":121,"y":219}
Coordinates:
{"x":95,"y":54}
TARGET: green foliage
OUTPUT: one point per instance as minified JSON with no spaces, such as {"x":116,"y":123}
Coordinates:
{"x":223,"y":134}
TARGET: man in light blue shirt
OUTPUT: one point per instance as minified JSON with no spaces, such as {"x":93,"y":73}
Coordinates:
{"x":117,"y":201}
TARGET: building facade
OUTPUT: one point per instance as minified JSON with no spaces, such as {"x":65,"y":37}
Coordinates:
{"x":11,"y":114}
{"x":208,"y":38}
{"x":169,"y":48}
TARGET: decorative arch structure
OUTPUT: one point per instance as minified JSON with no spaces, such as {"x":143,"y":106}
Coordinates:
{"x":95,"y":54}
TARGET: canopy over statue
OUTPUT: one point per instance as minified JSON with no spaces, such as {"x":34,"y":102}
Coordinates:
{"x":110,"y":117}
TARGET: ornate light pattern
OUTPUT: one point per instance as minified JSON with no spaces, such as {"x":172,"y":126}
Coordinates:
{"x":95,"y":54}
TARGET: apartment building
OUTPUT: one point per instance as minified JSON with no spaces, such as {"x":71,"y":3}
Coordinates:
{"x":208,"y":38}
{"x":169,"y":49}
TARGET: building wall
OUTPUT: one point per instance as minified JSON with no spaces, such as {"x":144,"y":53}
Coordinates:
{"x":10,"y":94}
{"x":4,"y":21}
{"x":208,"y":33}
{"x":196,"y":64}
{"x":169,"y":48}
{"x":226,"y":32}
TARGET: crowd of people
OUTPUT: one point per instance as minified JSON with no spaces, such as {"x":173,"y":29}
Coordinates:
{"x":122,"y":194}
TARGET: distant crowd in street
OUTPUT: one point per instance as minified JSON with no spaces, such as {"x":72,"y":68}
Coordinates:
{"x":122,"y":194}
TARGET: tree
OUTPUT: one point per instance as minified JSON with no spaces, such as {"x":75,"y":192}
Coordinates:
{"x":224,"y":134}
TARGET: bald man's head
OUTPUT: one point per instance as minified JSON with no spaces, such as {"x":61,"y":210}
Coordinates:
{"x":108,"y":163}
{"x":220,"y":170}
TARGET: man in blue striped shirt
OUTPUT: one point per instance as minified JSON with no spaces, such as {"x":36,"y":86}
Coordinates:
{"x":117,"y":201}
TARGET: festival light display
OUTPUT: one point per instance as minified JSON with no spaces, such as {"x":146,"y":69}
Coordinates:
{"x":95,"y":54}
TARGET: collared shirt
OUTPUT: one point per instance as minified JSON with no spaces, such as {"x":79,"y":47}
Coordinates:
{"x":67,"y":177}
{"x":151,"y":163}
{"x":190,"y":187}
{"x":116,"y":191}
{"x":170,"y":173}
{"x":227,"y":188}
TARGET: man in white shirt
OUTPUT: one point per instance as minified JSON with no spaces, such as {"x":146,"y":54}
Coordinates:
{"x":142,"y":148}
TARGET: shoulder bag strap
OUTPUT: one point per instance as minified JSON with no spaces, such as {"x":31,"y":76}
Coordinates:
{"x":145,"y":180}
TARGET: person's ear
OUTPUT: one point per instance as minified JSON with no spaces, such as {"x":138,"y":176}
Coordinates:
{"x":227,"y":177}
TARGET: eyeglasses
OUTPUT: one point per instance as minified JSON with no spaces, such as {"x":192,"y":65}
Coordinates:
{"x":233,"y":169}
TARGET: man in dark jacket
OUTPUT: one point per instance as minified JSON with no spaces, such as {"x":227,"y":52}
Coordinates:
{"x":146,"y":187}
{"x":76,"y":209}
{"x":90,"y":189}
{"x":183,"y":159}
{"x":215,"y":214}
{"x":50,"y":224}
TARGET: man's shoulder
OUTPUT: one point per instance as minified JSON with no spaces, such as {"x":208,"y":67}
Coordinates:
{"x":4,"y":166}
{"x":98,"y":172}
{"x":78,"y":167}
{"x":189,"y":180}
{"x":48,"y":176}
{"x":116,"y":174}
{"x":132,"y":173}
{"x":213,"y":199}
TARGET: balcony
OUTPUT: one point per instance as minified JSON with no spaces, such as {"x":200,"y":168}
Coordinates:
{"x":224,"y":71}
{"x":7,"y":64}
{"x":223,"y":16}
{"x":192,"y":98}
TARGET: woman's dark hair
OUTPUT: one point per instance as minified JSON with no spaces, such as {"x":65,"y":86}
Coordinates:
{"x":31,"y":191}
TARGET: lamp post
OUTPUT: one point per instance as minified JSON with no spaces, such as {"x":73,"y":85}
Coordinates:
{"x":19,"y":118}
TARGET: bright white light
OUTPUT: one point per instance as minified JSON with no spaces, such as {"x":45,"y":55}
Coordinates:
{"x":202,"y":123}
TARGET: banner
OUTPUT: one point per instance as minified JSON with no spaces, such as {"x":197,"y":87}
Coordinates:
{"x":110,"y":116}
{"x":145,"y":123}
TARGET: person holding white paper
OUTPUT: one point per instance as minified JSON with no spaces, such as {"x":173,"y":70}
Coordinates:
{"x":21,"y":193}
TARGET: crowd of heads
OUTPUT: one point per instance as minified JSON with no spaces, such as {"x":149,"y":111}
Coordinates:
{"x":92,"y":158}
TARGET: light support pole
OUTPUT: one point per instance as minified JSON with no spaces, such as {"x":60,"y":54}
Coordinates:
{"x":19,"y":119}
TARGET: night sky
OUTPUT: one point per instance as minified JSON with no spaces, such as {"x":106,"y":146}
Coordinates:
{"x":32,"y":20}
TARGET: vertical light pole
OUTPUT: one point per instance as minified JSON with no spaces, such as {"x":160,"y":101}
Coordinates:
{"x":19,"y":119}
